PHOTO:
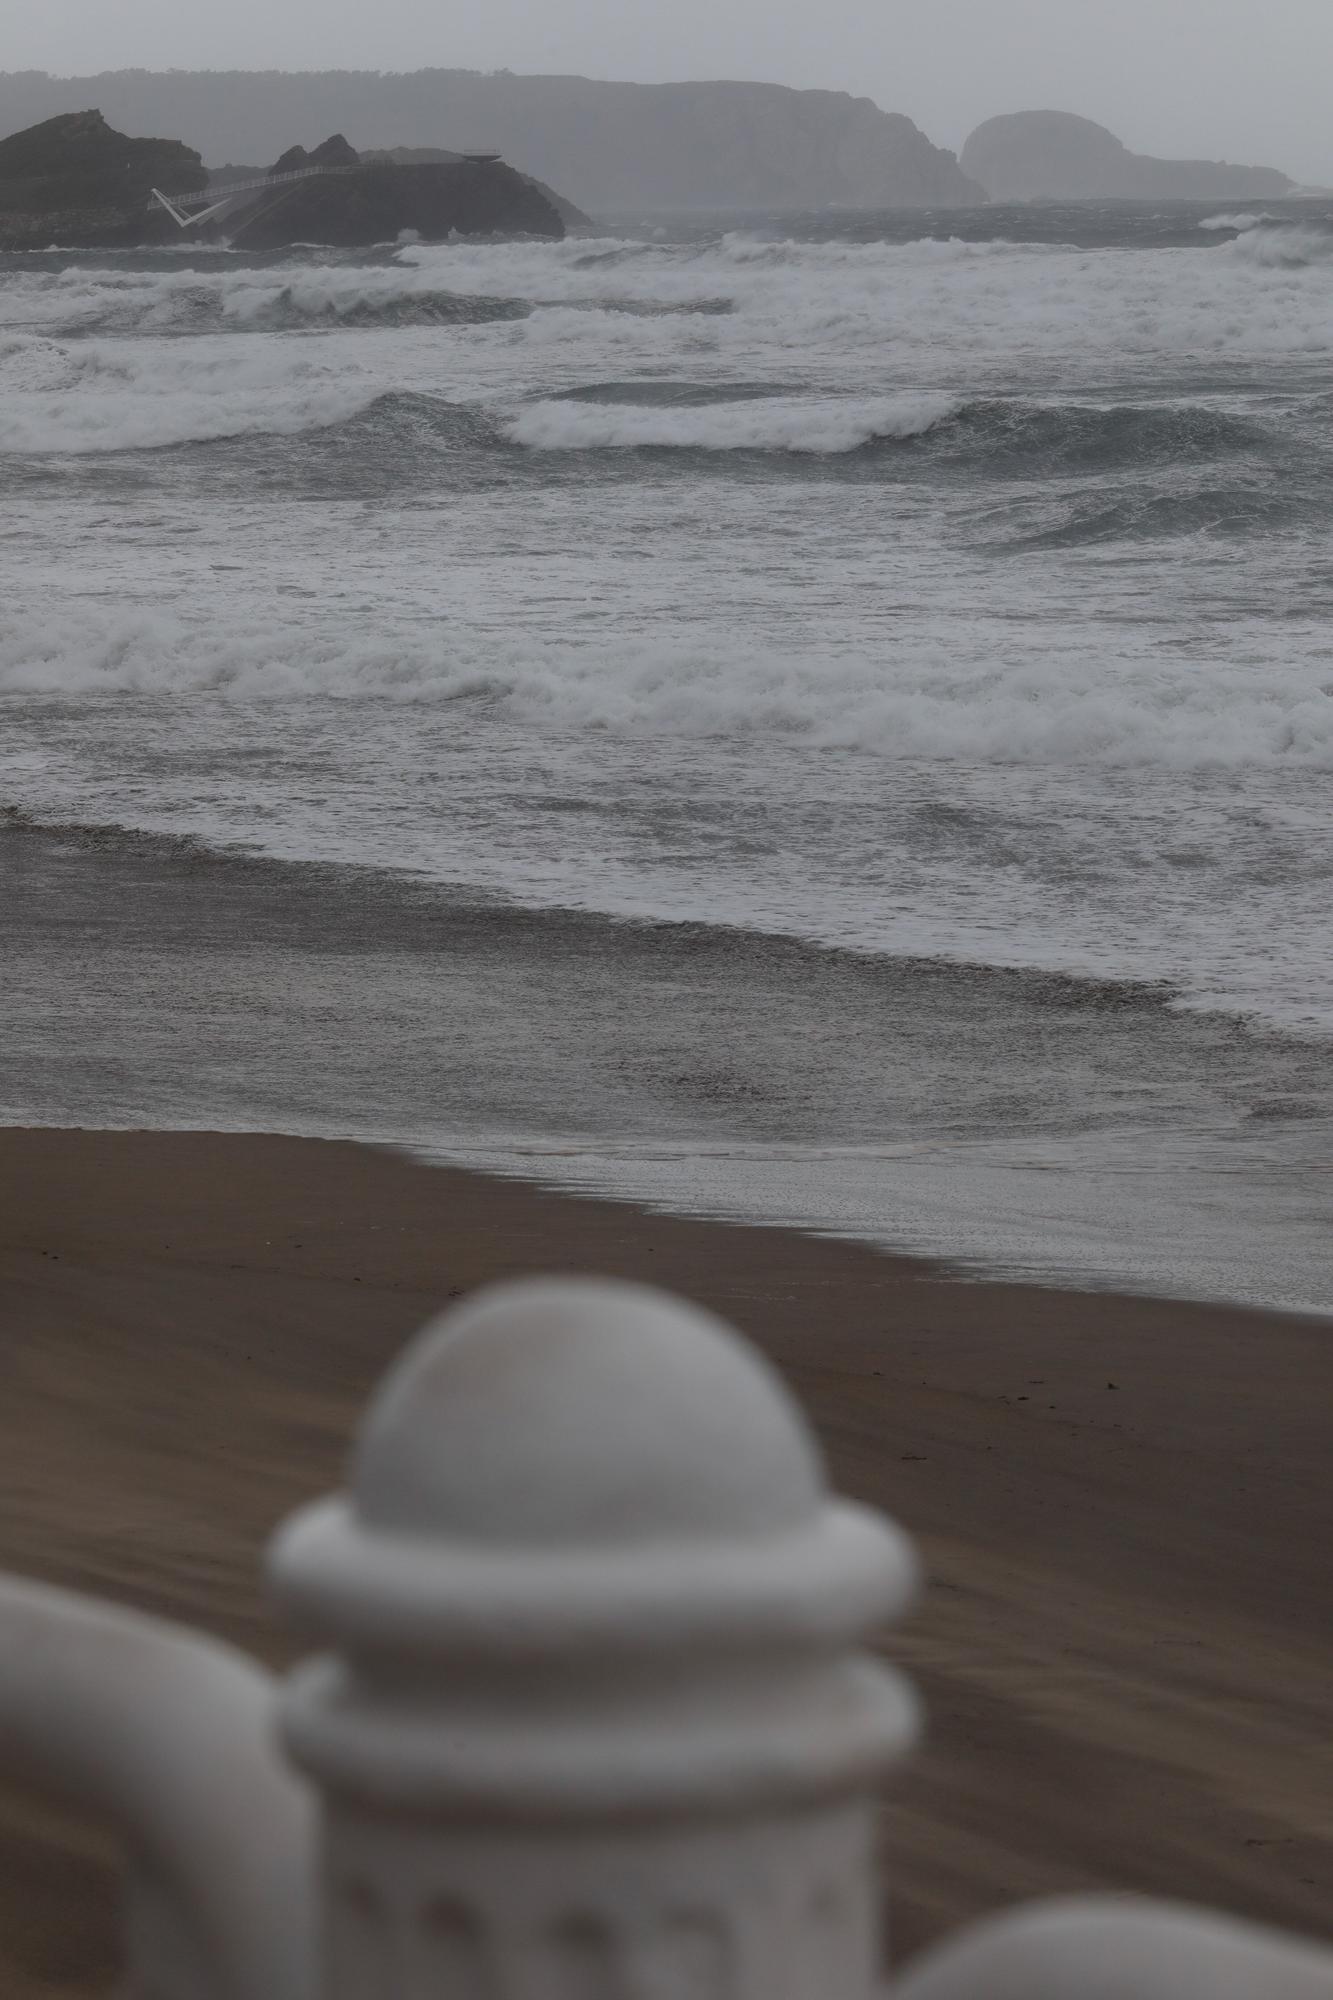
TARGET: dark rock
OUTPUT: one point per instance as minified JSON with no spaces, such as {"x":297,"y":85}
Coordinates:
{"x":572,"y":216}
{"x":1052,"y":155}
{"x":422,"y":156}
{"x":377,"y":203}
{"x":75,"y":180}
{"x":294,"y":161}
{"x":333,"y":152}
{"x":411,"y":156}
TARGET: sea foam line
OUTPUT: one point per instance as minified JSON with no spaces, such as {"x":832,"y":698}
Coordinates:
{"x":810,"y":424}
{"x":891,"y":704}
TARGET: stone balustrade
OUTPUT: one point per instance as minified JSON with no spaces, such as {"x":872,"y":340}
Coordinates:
{"x":593,"y":1716}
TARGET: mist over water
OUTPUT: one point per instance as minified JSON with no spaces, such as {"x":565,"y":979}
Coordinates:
{"x":952,"y":600}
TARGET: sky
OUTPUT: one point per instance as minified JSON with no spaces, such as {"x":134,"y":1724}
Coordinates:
{"x":1231,"y":79}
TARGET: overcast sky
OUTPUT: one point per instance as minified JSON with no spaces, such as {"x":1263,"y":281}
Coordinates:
{"x":1220,"y":78}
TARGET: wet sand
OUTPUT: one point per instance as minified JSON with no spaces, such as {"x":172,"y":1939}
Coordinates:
{"x":1125,"y":1505}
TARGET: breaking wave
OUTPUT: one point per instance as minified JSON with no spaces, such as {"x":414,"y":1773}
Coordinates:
{"x":96,"y":396}
{"x":1054,"y":710}
{"x":303,"y":412}
{"x":924,"y":307}
{"x":1286,"y":247}
{"x":1237,"y":222}
{"x":810,"y":424}
{"x":269,"y":297}
{"x":298,"y":307}
{"x":997,"y":437}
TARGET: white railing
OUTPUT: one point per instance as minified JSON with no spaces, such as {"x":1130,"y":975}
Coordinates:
{"x":187,"y":209}
{"x":204,"y":196}
{"x":594,"y":1719}
{"x":168,"y":1736}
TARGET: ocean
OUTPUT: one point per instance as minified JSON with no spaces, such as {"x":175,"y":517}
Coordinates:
{"x":825,"y":719}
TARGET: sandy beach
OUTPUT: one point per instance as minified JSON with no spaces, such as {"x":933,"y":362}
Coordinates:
{"x":1125,"y":1645}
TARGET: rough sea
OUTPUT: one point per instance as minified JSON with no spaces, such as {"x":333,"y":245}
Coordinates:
{"x":822,"y":718}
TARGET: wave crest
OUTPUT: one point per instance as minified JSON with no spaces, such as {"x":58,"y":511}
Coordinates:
{"x":1286,"y":247}
{"x":97,"y":396}
{"x":821,"y":424}
{"x":1056,"y":710}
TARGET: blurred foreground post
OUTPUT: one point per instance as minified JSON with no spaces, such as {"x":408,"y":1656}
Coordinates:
{"x":595,"y":1722}
{"x":168,"y":1736}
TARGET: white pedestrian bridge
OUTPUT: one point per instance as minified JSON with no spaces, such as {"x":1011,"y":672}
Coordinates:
{"x":203,"y":203}
{"x":188,"y":209}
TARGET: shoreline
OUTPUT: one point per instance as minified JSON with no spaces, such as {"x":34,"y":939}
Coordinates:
{"x":1124,"y":1646}
{"x":951,"y":1261}
{"x":543,"y":1166}
{"x":1014,"y":1126}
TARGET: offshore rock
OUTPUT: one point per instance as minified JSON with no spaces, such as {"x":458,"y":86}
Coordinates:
{"x":1052,"y":155}
{"x":74,"y":180}
{"x":376,"y":203}
{"x":570,"y":214}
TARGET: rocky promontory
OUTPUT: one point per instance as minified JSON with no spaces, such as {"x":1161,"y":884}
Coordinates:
{"x":73,"y":180}
{"x":76,"y":182}
{"x":376,"y":201}
{"x":1055,"y":156}
{"x":570,"y":214}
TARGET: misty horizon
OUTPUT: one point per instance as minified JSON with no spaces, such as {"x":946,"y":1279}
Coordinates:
{"x":1206,"y":79}
{"x":951,"y":143}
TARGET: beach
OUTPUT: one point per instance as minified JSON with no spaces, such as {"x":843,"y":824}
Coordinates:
{"x":1123,"y":1505}
{"x":785,"y":755}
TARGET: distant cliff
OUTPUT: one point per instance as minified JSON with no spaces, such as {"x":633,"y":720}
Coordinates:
{"x":74,"y":179}
{"x":1034,"y":154}
{"x":607,"y":146}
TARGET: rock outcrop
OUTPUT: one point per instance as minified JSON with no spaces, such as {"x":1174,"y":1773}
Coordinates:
{"x":610,"y":147}
{"x":426,"y":156}
{"x":333,"y":152}
{"x":74,"y":180}
{"x":1052,"y":155}
{"x":376,"y":202}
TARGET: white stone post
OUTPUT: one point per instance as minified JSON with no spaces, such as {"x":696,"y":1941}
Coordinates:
{"x":594,"y":1723}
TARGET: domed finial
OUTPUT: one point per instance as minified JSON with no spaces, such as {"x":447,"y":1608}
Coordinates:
{"x":588,"y":1597}
{"x":581,"y":1413}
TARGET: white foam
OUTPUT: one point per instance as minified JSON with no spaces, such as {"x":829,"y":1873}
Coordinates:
{"x":1238,"y":222}
{"x":761,"y":629}
{"x":968,"y":312}
{"x":831,"y":315}
{"x":104,"y":395}
{"x":171,"y":300}
{"x":808,"y":424}
{"x":1293,"y":248}
{"x":1047,"y":710}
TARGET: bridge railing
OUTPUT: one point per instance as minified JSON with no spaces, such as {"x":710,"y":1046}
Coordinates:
{"x":594,"y":1716}
{"x":216,"y":196}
